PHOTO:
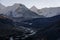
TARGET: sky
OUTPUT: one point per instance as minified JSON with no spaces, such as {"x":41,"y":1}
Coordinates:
{"x":29,"y":3}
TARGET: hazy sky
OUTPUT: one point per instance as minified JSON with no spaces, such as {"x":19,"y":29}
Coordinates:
{"x":30,"y":3}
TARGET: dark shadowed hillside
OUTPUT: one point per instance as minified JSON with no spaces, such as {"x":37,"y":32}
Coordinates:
{"x":5,"y":26}
{"x":8,"y":29}
{"x":41,"y":22}
{"x":47,"y":28}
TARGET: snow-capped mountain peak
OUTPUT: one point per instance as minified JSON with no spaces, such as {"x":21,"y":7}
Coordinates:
{"x":19,"y":12}
{"x":34,"y":9}
{"x":19,"y":6}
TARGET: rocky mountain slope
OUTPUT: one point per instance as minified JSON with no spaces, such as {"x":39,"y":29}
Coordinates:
{"x":19,"y":12}
{"x":47,"y":12}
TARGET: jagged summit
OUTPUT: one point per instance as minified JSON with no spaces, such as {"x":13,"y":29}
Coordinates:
{"x":17,"y":5}
{"x":34,"y":9}
{"x":19,"y":11}
{"x":14,"y":8}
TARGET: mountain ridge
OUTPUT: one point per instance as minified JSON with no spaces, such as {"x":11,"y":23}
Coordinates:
{"x":19,"y":11}
{"x":47,"y":12}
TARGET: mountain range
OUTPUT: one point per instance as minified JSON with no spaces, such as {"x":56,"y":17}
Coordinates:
{"x":47,"y":12}
{"x":34,"y":24}
{"x":19,"y":12}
